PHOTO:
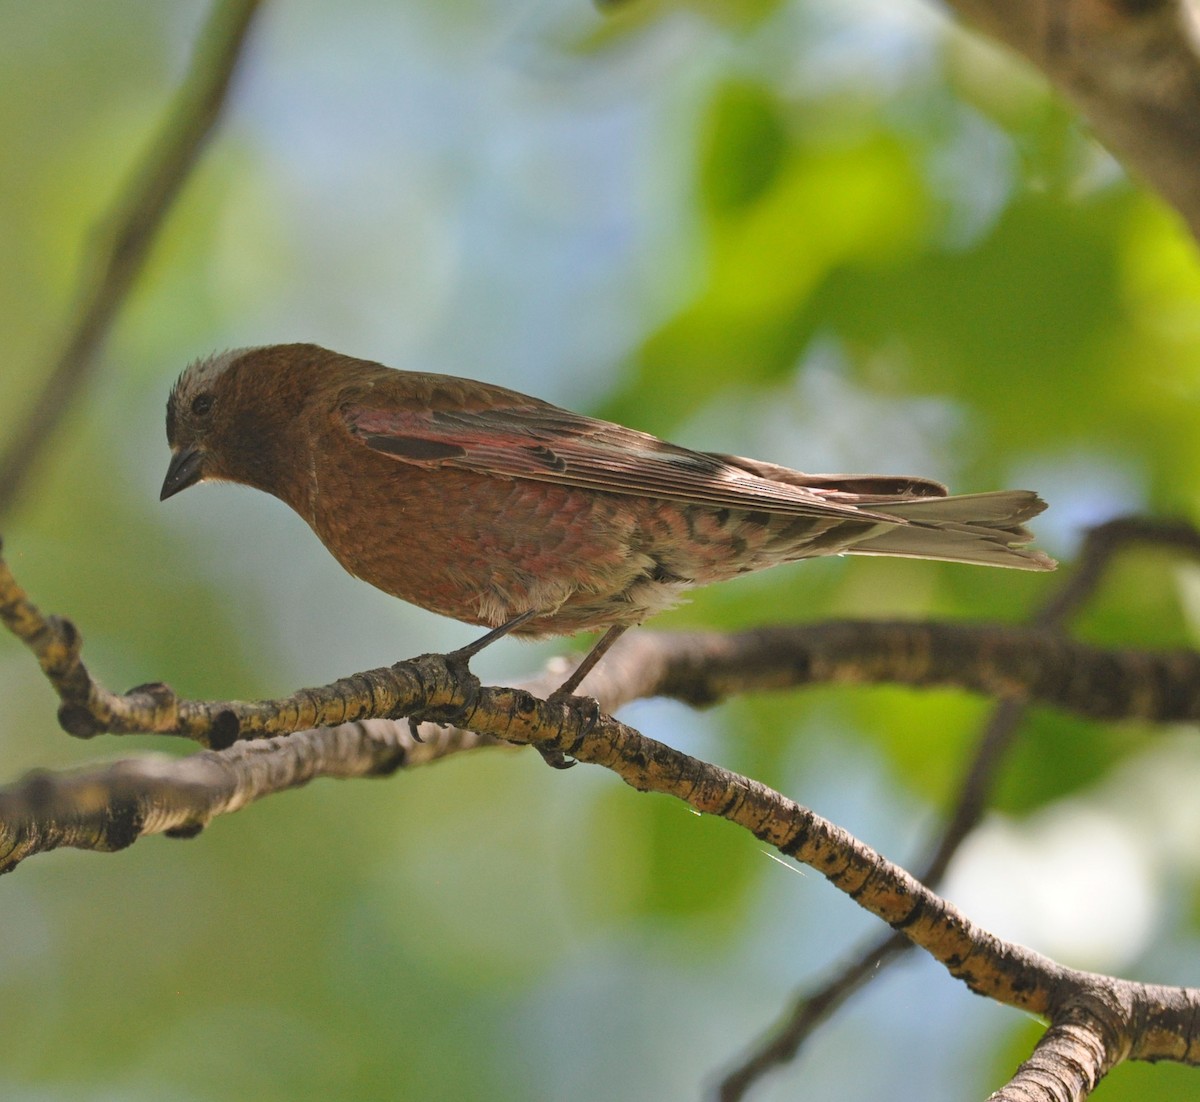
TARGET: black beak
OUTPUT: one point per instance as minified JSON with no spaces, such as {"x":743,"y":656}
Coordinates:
{"x":186,"y":469}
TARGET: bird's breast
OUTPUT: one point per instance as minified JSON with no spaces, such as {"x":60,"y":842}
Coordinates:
{"x":471,"y":546}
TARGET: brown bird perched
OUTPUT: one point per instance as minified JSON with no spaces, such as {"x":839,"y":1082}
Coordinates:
{"x":498,"y":509}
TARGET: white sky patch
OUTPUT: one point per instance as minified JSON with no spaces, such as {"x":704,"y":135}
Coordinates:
{"x":1085,"y":881}
{"x":1071,"y":882}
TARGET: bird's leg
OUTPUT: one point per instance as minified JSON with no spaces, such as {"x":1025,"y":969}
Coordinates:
{"x":588,"y":708}
{"x":465,"y":654}
{"x":459,"y":661}
{"x":552,"y":757}
{"x":566,"y":690}
{"x":568,"y":687}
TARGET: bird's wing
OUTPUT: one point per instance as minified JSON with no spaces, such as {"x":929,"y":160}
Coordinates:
{"x":524,"y":438}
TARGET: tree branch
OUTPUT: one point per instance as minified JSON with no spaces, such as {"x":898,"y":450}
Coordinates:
{"x":1101,"y":545}
{"x":1034,"y":664}
{"x":126,"y":233}
{"x":110,"y":808}
{"x":1067,"y":1063}
{"x":1132,"y":68}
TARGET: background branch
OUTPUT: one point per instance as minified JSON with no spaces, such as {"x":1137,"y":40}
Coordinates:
{"x":1132,"y":69}
{"x":125,"y":235}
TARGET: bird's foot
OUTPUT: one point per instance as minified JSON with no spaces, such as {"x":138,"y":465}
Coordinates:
{"x":587,"y":708}
{"x":451,"y":715}
{"x":459,"y":664}
{"x":587,"y":711}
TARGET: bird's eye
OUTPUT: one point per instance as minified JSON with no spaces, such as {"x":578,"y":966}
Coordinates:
{"x":202,"y":404}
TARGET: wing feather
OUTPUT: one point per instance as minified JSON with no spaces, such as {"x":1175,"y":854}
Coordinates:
{"x":547,"y":444}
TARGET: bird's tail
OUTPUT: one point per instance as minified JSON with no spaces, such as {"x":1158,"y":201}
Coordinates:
{"x":987,"y":529}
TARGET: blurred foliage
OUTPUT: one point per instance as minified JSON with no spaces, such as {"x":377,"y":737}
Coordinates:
{"x":830,"y":235}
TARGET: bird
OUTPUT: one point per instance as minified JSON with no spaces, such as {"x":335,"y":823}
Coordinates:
{"x":504,"y":511}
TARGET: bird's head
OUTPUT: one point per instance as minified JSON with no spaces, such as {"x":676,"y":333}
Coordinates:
{"x":203,"y":421}
{"x":238,"y":416}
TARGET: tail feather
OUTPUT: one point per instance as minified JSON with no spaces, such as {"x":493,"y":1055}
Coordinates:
{"x":986,"y":529}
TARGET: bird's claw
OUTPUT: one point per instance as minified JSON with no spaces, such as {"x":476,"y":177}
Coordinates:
{"x":555,"y":758}
{"x":587,"y":711}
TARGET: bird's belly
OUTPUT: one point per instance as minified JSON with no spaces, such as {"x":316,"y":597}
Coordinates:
{"x":482,"y":550}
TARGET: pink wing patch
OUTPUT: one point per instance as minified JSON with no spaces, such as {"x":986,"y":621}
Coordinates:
{"x":547,"y":444}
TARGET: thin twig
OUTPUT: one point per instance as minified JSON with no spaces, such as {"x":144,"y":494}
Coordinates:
{"x":126,"y":234}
